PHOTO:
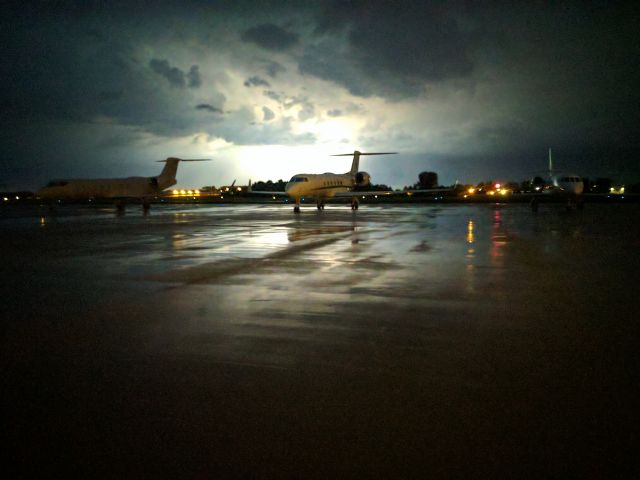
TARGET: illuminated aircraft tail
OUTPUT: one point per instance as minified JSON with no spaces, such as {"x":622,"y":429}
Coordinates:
{"x":168,"y":175}
{"x":355,"y":164}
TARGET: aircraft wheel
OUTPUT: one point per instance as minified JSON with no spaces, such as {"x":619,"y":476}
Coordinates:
{"x":296,"y":209}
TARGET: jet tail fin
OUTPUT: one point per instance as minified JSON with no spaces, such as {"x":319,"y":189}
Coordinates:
{"x":168,"y":175}
{"x":355,"y":164}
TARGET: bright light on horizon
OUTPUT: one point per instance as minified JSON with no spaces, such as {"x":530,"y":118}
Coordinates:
{"x":274,"y":162}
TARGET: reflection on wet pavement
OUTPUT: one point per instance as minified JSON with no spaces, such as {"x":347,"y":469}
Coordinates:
{"x":412,"y":323}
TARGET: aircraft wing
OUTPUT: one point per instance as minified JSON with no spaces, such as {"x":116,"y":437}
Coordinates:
{"x":264,"y":192}
{"x":363,"y":193}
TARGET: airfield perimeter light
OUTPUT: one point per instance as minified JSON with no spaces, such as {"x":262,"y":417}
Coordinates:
{"x":471,"y":191}
{"x":175,"y":192}
{"x":190,"y":192}
{"x":197,"y":192}
{"x":182,"y":192}
{"x":6,"y":199}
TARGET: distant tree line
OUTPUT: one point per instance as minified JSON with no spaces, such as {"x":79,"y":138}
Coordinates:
{"x":269,"y":186}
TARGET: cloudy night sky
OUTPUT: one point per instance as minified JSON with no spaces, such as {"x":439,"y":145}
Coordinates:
{"x":470,"y":90}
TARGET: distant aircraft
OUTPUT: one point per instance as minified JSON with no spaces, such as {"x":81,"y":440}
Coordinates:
{"x":115,"y":188}
{"x":563,"y":185}
{"x":329,"y":185}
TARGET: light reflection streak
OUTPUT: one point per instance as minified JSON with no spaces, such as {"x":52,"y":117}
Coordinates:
{"x":498,"y":238}
{"x":178,"y":242}
{"x":470,"y":273}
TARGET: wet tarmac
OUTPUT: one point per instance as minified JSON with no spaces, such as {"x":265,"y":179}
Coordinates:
{"x":249,"y":342}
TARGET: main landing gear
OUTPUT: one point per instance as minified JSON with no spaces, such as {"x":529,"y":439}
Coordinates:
{"x":354,"y":203}
{"x":320,"y":205}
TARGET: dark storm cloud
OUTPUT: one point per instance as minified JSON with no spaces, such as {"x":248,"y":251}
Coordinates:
{"x":323,"y":61}
{"x":392,"y":48}
{"x":267,"y":114}
{"x":110,"y":96}
{"x":270,"y":37}
{"x":348,"y":109}
{"x":175,"y":76}
{"x":273,"y":95}
{"x":307,"y":108}
{"x":209,"y":108}
{"x":507,"y":80}
{"x":249,"y":130}
{"x":307,"y":111}
{"x":274,"y":68}
{"x":256,"y":81}
{"x":193,"y":77}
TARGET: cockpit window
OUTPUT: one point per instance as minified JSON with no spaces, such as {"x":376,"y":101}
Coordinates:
{"x":299,"y":179}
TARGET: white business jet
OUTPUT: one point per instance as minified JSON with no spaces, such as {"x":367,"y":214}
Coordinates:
{"x":324,"y":186}
{"x":117,"y":189}
{"x":562,"y":185}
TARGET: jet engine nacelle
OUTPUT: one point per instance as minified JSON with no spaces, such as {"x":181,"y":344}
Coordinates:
{"x":363,"y":179}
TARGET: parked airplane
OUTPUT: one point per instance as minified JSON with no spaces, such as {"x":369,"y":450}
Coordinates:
{"x":563,"y":185}
{"x":118,"y":189}
{"x":329,"y":185}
